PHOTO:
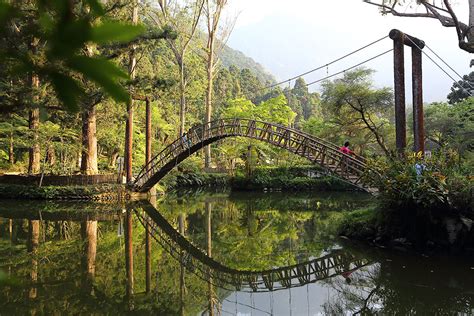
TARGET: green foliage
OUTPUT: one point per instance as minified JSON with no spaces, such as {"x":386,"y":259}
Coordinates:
{"x":441,"y":186}
{"x":462,"y":90}
{"x":360,"y":224}
{"x":451,"y":126}
{"x":66,"y":30}
{"x":292,"y":178}
{"x":12,"y":191}
{"x":359,"y":112}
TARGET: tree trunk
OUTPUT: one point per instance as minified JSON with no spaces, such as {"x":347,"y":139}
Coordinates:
{"x":470,"y":33}
{"x":210,"y":65}
{"x":32,"y":247}
{"x":113,"y":159}
{"x":129,"y":255}
{"x":89,"y":251}
{"x":11,"y":153}
{"x":34,"y":157}
{"x":182,"y":90}
{"x":129,"y":124}
{"x":210,"y":290}
{"x":51,"y":156}
{"x":35,"y":153}
{"x":89,"y":142}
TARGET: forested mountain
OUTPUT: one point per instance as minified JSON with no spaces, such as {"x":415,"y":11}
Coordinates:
{"x":232,"y":57}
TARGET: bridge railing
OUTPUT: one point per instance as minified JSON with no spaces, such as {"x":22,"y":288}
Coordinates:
{"x":275,"y":134}
{"x":205,"y":267}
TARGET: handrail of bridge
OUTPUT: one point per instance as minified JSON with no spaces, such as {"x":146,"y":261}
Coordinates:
{"x":201,"y":135}
{"x":205,"y":267}
{"x":328,"y":144}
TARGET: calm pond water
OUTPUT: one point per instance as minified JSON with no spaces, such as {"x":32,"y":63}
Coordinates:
{"x":269,"y":254}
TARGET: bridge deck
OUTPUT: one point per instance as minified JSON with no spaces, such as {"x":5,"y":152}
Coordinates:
{"x":350,"y":168}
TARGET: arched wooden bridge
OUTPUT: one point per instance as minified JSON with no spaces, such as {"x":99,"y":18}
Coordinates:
{"x":196,"y":261}
{"x":349,"y":168}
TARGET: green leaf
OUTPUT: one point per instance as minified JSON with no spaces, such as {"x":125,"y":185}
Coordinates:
{"x":6,"y":13}
{"x":96,"y":7}
{"x":69,"y":38}
{"x":115,"y":32}
{"x":67,"y":89}
{"x":104,"y":73}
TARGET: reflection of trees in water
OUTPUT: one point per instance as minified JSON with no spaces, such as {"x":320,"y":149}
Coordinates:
{"x":355,"y":292}
{"x":391,"y":288}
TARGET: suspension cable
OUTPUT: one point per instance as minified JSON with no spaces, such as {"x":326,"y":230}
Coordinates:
{"x":322,"y":66}
{"x":442,"y":69}
{"x":352,"y":67}
{"x":453,"y":70}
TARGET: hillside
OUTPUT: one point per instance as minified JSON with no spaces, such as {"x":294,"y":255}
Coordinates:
{"x":230,"y":56}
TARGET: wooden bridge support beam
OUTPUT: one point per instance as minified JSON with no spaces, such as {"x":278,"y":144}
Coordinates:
{"x":417,"y":86}
{"x":399,"y":84}
{"x":399,"y":41}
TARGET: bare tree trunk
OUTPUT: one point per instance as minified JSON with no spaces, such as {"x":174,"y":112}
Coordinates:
{"x":129,"y":254}
{"x":210,"y":65}
{"x":34,"y":157}
{"x":129,"y":124}
{"x":113,"y":159}
{"x":35,"y":153}
{"x":147,"y":258}
{"x":51,"y":155}
{"x":33,"y":242}
{"x":213,"y":10}
{"x":89,"y":142}
{"x":89,"y":251}
{"x":182,"y":95}
{"x":11,"y":153}
{"x":470,"y":33}
{"x":210,"y":289}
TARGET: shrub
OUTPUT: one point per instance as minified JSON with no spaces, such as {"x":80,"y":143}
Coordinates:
{"x":442,"y":183}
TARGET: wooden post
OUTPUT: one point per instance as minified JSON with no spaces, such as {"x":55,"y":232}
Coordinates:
{"x":399,"y":84}
{"x":399,"y":41}
{"x":417,"y":85}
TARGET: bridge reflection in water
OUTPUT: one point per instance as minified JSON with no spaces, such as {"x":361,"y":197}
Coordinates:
{"x":205,"y":267}
{"x":74,"y":253}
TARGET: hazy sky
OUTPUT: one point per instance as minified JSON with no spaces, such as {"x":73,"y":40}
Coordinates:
{"x":291,"y":37}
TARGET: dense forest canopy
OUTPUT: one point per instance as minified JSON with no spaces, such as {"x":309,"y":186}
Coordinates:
{"x":76,"y":76}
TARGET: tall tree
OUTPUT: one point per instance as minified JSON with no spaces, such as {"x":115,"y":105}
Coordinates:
{"x":215,"y":42}
{"x":129,"y":124}
{"x":354,"y":102}
{"x":444,"y":13}
{"x":462,"y":90}
{"x":183,"y":17}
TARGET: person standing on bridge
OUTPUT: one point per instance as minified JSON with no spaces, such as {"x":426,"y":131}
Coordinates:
{"x":345,"y":149}
{"x":345,"y":163}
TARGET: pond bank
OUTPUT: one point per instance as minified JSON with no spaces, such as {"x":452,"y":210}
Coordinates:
{"x":302,"y":178}
{"x":100,"y":192}
{"x":410,"y":231}
{"x":262,"y":179}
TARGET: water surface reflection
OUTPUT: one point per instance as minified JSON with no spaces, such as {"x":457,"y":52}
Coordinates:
{"x":258,"y":254}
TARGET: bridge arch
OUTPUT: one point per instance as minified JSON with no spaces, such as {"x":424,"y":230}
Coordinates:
{"x":198,"y":262}
{"x":349,"y":168}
